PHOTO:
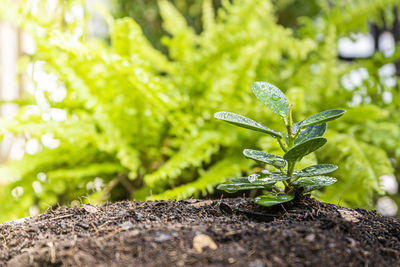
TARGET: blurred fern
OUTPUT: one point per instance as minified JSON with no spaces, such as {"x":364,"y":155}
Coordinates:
{"x":141,"y":120}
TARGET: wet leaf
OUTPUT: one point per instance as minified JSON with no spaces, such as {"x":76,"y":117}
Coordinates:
{"x":310,"y":132}
{"x":266,"y":178}
{"x":305,"y":148}
{"x":263,"y":157}
{"x":244,"y":122}
{"x":307,"y":133}
{"x":312,"y":183}
{"x":271,"y":199}
{"x":272,"y":97}
{"x":317,"y":170}
{"x":322,"y":117}
{"x":238,"y":184}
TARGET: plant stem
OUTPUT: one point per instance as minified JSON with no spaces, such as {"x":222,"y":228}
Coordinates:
{"x":291,"y":169}
{"x":286,"y":185}
{"x":284,"y":148}
{"x":291,"y":139}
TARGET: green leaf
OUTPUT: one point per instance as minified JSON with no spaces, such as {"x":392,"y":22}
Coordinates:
{"x":237,"y":184}
{"x":244,"y":122}
{"x":266,"y":177}
{"x":312,"y":183}
{"x":317,"y":170}
{"x":271,"y":199}
{"x":322,"y":117}
{"x":307,"y":133}
{"x":272,"y":97}
{"x":305,"y":148}
{"x":310,"y":132}
{"x":263,"y":157}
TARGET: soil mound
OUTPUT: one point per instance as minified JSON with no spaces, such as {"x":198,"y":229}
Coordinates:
{"x":232,"y":232}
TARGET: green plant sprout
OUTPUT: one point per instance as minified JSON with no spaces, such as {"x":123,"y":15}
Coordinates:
{"x":302,"y":138}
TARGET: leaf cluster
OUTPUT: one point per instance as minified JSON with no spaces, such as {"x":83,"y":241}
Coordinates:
{"x":302,"y":138}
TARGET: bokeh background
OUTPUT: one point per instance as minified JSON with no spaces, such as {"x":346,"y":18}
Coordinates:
{"x":110,"y":100}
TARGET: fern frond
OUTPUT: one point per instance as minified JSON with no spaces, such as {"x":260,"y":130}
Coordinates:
{"x":227,"y":168}
{"x":197,"y":150}
{"x":361,"y":166}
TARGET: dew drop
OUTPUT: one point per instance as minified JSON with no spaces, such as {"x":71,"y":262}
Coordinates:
{"x":275,"y":97}
{"x":252,"y":178}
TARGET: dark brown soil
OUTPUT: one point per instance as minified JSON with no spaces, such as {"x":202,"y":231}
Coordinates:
{"x":203,"y":233}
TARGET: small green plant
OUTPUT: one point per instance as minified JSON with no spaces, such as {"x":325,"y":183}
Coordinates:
{"x":301,"y":139}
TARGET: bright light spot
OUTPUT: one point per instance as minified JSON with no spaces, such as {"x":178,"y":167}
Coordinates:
{"x":41,"y":176}
{"x":37,"y":187}
{"x":58,"y":114}
{"x":17,"y":150}
{"x":96,"y":185}
{"x":32,"y":110}
{"x":361,"y":47}
{"x":33,"y":4}
{"x":41,"y":99}
{"x":356,"y":100}
{"x":386,"y":206}
{"x":46,"y":117}
{"x":387,"y":70}
{"x":40,"y":31}
{"x":389,"y":184}
{"x":387,"y":97}
{"x":78,"y":32}
{"x":387,"y":73}
{"x":34,"y":210}
{"x":58,"y":94}
{"x":78,"y":11}
{"x":49,"y":141}
{"x":32,"y":146}
{"x":17,"y":192}
{"x":28,"y":44}
{"x":355,"y":78}
{"x":386,"y":44}
{"x":46,"y":81}
{"x":51,"y":5}
{"x":89,"y":186}
{"x":69,"y":17}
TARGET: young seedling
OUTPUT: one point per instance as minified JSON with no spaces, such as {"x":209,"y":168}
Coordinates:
{"x":301,"y":139}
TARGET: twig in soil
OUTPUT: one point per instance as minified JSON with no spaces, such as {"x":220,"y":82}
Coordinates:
{"x":95,"y":228}
{"x":61,"y":217}
{"x":284,"y":208}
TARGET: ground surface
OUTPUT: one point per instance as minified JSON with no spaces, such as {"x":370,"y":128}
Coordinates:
{"x":202,"y":233}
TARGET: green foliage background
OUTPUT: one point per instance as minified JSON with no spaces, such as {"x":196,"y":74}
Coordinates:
{"x":141,"y":120}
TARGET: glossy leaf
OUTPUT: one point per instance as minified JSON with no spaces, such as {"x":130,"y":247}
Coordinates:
{"x":312,"y":183}
{"x":272,"y":199}
{"x":266,"y":178}
{"x":263,"y":157}
{"x":308,"y":133}
{"x":322,"y":117}
{"x":242,"y":183}
{"x":305,"y":148}
{"x":272,"y":97}
{"x":318,"y":169}
{"x":244,"y":122}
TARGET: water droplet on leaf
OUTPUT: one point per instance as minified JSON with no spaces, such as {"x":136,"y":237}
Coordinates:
{"x":275,"y":97}
{"x":252,"y":177}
